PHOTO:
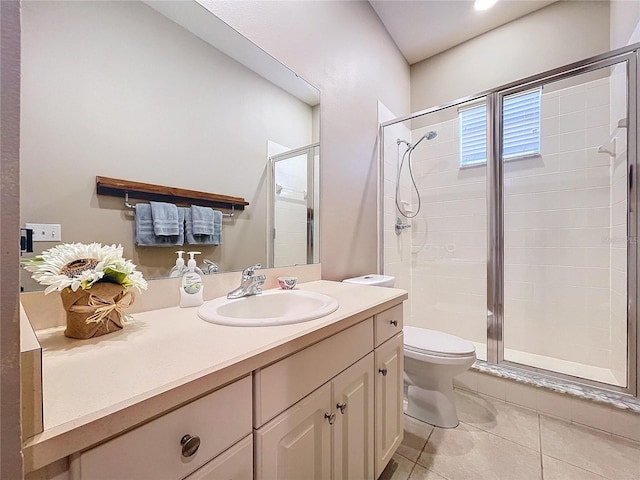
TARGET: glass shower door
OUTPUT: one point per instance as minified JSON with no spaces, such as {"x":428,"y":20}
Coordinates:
{"x":567,"y":232}
{"x":435,"y":218}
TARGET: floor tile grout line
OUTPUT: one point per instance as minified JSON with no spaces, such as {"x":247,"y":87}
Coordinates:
{"x":540,"y":447}
{"x":500,"y":437}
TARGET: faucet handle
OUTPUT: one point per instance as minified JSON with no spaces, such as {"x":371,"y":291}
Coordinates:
{"x":248,"y":272}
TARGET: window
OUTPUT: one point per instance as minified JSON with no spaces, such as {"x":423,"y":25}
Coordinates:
{"x":521,"y":129}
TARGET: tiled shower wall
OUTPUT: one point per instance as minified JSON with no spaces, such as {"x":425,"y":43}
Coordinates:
{"x":557,"y":225}
{"x":565,"y":274}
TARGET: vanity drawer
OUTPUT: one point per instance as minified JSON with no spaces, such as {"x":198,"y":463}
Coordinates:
{"x":282,"y":384}
{"x":387,"y":324}
{"x":154,"y":450}
{"x":234,"y":464}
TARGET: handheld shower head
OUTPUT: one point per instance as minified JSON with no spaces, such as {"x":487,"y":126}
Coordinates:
{"x":430,"y":135}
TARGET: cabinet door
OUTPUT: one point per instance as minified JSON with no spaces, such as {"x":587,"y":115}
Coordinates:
{"x":234,"y":464}
{"x":353,"y":428}
{"x":389,"y":377}
{"x":297,"y":443}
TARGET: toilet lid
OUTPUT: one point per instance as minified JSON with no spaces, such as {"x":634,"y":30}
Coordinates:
{"x":432,"y":341}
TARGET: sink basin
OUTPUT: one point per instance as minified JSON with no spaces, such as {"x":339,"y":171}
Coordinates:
{"x":272,"y":307}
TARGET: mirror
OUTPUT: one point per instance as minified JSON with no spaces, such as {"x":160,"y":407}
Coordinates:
{"x":160,"y":92}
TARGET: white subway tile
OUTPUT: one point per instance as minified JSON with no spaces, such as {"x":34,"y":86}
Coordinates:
{"x":572,"y":102}
{"x":572,"y":122}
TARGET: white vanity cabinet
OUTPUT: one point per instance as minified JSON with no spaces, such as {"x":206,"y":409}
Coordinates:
{"x":322,"y":404}
{"x":328,"y":434}
{"x":349,"y":424}
{"x":233,"y":464}
{"x":389,"y":367}
{"x":353,"y":434}
{"x":177,"y":443}
{"x":389,"y":382}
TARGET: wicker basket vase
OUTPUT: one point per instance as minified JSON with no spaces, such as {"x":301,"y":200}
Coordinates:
{"x":96,"y":311}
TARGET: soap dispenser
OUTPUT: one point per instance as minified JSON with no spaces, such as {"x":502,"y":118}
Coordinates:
{"x":179,"y":269}
{"x":191,"y":286}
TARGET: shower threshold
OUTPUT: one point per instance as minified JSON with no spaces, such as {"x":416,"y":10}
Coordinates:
{"x":552,"y":364}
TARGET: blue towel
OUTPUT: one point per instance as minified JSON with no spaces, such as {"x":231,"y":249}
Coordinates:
{"x":217,"y":227}
{"x":144,"y":225}
{"x":192,"y":238}
{"x":165,"y":219}
{"x":202,"y":220}
{"x":145,"y":235}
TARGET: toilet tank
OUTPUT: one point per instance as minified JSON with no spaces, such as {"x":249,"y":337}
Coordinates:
{"x":373,"y":279}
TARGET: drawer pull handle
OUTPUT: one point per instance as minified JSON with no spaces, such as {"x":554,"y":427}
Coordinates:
{"x":331,"y":417}
{"x":341,"y":407}
{"x":190,"y":445}
{"x":383,"y":371}
{"x":394,"y":322}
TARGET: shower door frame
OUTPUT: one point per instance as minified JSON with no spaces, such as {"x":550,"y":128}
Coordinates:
{"x":495,"y":207}
{"x":495,"y":212}
{"x":312,"y":213}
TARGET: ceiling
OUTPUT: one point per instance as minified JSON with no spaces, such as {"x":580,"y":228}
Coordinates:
{"x":423,"y":28}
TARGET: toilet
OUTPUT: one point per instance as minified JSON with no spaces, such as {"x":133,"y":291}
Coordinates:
{"x":431,"y":360}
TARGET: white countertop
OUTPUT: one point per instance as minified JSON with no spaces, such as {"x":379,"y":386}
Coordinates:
{"x":97,"y":388}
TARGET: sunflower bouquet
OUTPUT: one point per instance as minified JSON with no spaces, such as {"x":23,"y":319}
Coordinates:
{"x":95,"y":282}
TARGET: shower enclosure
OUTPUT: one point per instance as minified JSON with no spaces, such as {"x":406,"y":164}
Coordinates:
{"x":515,"y":227}
{"x":293,"y":220}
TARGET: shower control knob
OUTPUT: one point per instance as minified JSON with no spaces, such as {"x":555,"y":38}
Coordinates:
{"x":383,"y":371}
{"x":394,"y":322}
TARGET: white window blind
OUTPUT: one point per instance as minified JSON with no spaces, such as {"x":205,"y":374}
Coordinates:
{"x":521,"y":129}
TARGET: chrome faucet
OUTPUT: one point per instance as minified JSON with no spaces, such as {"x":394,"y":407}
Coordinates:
{"x":210,"y":267}
{"x":250,"y":284}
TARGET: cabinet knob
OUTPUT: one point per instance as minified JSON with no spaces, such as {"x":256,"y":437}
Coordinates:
{"x":190,"y":445}
{"x":341,"y":407}
{"x":383,"y":371}
{"x":394,"y":322}
{"x":331,"y":417}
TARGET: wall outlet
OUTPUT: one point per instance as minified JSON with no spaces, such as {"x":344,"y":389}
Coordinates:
{"x":46,"y":232}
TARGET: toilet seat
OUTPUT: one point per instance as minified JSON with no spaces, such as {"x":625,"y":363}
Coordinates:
{"x":439,"y":344}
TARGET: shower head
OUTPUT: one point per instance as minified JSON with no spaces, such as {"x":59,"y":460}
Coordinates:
{"x":430,"y":135}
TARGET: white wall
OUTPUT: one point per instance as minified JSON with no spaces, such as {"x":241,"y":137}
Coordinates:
{"x":118,"y":90}
{"x":10,"y":438}
{"x":625,"y":18}
{"x":561,"y":33}
{"x":343,"y":49}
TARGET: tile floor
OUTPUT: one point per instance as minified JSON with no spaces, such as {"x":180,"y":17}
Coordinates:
{"x":501,"y":441}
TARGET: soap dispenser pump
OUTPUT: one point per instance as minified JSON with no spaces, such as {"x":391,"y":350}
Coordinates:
{"x":179,"y":269}
{"x":191,"y":285}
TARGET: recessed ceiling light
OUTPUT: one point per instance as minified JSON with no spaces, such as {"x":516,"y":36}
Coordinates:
{"x":484,"y":4}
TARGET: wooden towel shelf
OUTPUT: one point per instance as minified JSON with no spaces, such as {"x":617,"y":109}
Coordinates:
{"x":148,"y":191}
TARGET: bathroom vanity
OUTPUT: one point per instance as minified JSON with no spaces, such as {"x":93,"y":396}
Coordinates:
{"x":172,"y":396}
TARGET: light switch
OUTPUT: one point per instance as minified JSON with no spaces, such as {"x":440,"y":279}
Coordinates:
{"x":45,"y":232}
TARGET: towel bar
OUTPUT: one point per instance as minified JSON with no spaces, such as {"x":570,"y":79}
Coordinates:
{"x":132,"y":206}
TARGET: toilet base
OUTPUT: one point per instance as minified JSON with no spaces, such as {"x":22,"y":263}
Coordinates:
{"x":436,"y":407}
